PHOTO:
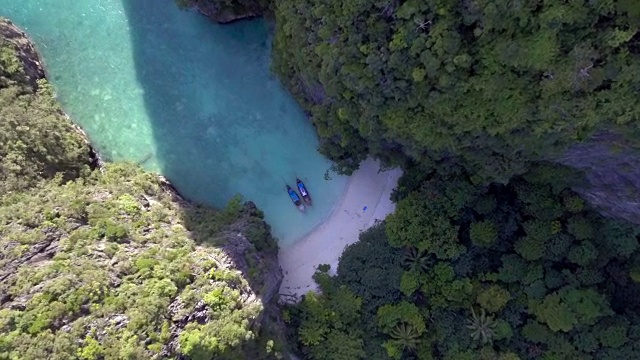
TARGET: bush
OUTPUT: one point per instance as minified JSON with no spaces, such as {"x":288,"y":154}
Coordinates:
{"x":483,"y":233}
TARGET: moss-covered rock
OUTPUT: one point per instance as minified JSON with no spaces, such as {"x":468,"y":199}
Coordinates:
{"x":117,"y":259}
{"x":37,"y":140}
{"x":18,"y":56}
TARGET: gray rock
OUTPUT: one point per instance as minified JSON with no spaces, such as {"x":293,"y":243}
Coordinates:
{"x":26,"y":52}
{"x":222,"y":14}
{"x":611,"y":165}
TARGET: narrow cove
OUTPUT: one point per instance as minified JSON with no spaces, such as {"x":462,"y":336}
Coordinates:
{"x":184,"y":97}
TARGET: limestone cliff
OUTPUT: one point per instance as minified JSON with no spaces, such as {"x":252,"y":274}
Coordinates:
{"x":38,"y":140}
{"x":113,"y":263}
{"x":24,"y":51}
{"x":119,"y":264}
{"x":611,"y":165}
{"x":226,"y":11}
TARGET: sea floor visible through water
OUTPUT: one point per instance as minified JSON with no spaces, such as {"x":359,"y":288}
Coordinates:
{"x":192,"y":100}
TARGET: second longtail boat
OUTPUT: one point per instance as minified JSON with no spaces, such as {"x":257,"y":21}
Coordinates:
{"x":304,"y":192}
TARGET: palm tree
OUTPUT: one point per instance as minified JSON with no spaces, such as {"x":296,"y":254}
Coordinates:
{"x":406,"y":336}
{"x":482,"y":327}
{"x":415,"y":260}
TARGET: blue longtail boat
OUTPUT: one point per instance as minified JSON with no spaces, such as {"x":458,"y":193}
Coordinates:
{"x":295,"y":198}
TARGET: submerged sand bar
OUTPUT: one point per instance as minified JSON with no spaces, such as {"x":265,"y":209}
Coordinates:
{"x":365,"y":201}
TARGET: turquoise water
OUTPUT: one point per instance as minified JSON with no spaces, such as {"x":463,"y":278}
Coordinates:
{"x":187,"y":98}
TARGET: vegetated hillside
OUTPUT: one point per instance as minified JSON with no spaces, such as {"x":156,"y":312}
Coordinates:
{"x":112,"y":263}
{"x":36,"y":140}
{"x":524,"y":270}
{"x":490,"y":84}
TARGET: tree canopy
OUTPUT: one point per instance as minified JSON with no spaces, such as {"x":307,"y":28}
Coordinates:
{"x":494,"y":84}
{"x":555,"y":280}
{"x":36,"y":140}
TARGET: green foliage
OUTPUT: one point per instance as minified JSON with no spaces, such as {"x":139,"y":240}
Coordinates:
{"x":415,"y":260}
{"x":583,"y":253}
{"x":570,"y":307}
{"x":404,"y":324}
{"x":481,"y":326}
{"x":573,"y":203}
{"x":580,"y":228}
{"x":493,"y":298}
{"x":91,"y":350}
{"x":372,"y":268}
{"x":614,"y":336}
{"x":36,"y":140}
{"x":328,"y":325}
{"x":556,"y":314}
{"x":11,"y":67}
{"x":389,"y":316}
{"x":491,"y":84}
{"x":443,"y":289}
{"x":404,"y":338}
{"x":490,"y":87}
{"x":556,"y":282}
{"x":483,"y":233}
{"x":423,"y":220}
{"x":410,"y":282}
{"x":156,"y":263}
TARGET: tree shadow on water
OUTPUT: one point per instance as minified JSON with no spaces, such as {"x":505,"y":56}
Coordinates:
{"x":165,"y":49}
{"x":192,"y":72}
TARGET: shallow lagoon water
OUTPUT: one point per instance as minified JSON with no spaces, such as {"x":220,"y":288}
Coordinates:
{"x":192,"y":100}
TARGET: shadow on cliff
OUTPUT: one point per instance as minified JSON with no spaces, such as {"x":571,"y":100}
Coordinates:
{"x":176,"y":112}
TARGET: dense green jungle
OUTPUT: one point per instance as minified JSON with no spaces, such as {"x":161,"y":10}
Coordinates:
{"x":491,"y":253}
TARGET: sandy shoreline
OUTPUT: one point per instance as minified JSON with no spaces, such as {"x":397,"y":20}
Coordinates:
{"x":365,"y":200}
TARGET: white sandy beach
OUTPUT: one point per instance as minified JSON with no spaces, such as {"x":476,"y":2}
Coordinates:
{"x":324,"y":245}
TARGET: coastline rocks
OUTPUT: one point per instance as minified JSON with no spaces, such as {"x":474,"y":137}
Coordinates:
{"x":241,"y":251}
{"x":259,"y":267}
{"x":242,"y":254}
{"x":34,"y":71}
{"x":223,"y":13}
{"x":26,"y":52}
{"x":124,"y":222}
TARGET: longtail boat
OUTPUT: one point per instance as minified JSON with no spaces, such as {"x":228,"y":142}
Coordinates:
{"x":295,"y":198}
{"x":304,"y":192}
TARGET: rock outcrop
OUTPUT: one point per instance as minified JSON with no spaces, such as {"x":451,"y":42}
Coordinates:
{"x":224,"y":12}
{"x":611,"y":165}
{"x":33,"y":70}
{"x":116,"y":264}
{"x":26,"y":52}
{"x":121,"y":250}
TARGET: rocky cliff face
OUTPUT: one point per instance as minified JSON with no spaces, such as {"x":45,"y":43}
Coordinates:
{"x":113,"y":263}
{"x":26,"y":52}
{"x":120,"y":265}
{"x":226,"y":11}
{"x":28,"y":77}
{"x":611,"y":166}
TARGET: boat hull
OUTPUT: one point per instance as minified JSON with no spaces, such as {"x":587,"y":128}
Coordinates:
{"x":295,"y":198}
{"x":304,"y":192}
